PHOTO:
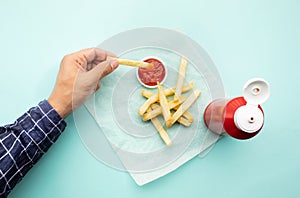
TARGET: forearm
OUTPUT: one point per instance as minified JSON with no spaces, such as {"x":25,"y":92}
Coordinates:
{"x":23,"y":143}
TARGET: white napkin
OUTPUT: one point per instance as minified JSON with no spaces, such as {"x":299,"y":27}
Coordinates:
{"x":135,"y":142}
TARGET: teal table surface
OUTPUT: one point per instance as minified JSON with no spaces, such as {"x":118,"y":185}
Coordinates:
{"x":244,"y":38}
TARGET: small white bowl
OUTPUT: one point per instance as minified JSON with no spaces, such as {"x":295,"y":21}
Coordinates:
{"x":161,"y":82}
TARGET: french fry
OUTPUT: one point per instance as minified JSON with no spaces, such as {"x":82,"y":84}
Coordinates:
{"x":170,"y":91}
{"x":163,"y":103}
{"x":184,"y":121}
{"x":132,"y":63}
{"x":187,"y":115}
{"x":152,"y":97}
{"x":156,"y":109}
{"x":180,"y":79}
{"x":163,"y":134}
{"x":183,"y":108}
{"x":147,"y":94}
{"x":147,"y":104}
{"x":154,"y":106}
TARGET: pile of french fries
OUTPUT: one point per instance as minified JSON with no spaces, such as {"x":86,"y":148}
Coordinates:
{"x":170,"y":103}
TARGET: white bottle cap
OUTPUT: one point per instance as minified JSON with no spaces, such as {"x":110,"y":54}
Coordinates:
{"x":256,"y":91}
{"x":249,"y":118}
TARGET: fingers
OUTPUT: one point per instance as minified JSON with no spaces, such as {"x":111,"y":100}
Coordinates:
{"x":97,"y":86}
{"x":96,"y":55}
{"x":104,"y":68}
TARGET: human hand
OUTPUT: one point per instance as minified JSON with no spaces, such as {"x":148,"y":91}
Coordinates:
{"x":79,"y":77}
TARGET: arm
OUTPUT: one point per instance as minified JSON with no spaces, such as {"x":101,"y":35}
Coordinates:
{"x":23,"y":143}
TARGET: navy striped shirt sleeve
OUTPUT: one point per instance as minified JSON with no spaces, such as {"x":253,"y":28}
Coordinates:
{"x":24,"y":142}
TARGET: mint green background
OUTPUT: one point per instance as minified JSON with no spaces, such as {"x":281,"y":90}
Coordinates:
{"x":244,"y":38}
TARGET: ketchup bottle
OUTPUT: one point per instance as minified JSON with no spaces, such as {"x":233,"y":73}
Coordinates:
{"x":240,"y":117}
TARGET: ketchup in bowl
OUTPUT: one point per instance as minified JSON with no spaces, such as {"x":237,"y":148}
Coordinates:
{"x":150,"y":76}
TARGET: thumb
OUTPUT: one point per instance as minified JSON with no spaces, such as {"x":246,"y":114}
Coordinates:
{"x":104,"y":68}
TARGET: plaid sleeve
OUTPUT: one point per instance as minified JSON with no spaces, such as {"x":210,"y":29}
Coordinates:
{"x":23,"y":143}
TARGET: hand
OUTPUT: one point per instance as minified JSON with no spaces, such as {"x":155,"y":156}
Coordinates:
{"x":79,"y":77}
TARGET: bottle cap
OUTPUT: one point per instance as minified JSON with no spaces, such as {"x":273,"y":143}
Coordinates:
{"x":256,"y":91}
{"x":248,"y":118}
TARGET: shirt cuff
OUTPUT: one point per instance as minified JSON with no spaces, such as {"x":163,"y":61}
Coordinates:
{"x":43,"y":125}
{"x":52,"y":114}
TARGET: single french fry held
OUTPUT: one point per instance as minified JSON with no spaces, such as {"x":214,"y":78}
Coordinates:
{"x":134,"y":63}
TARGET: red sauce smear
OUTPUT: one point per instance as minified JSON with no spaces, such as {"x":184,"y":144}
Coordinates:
{"x":150,"y":76}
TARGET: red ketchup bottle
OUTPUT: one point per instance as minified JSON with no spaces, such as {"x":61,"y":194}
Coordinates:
{"x":240,"y":117}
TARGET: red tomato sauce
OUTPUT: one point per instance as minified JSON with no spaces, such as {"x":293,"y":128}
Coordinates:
{"x":150,"y":76}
